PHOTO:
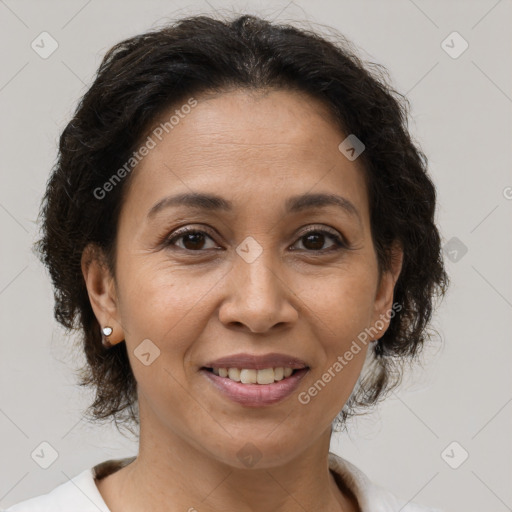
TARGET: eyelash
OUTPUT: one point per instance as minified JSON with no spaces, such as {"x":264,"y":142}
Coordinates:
{"x":339,"y":242}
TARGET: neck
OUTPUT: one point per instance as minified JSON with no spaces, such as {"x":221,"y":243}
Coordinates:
{"x":176,"y":475}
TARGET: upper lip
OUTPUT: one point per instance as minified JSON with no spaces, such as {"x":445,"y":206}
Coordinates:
{"x":257,"y":362}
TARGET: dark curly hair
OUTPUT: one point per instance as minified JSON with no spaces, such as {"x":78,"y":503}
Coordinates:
{"x":140,"y":78}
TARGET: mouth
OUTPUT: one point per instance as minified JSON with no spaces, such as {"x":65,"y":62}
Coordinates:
{"x":255,"y":388}
{"x":252,"y":376}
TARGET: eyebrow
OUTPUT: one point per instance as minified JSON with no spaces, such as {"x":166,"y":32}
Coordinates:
{"x":295,"y":204}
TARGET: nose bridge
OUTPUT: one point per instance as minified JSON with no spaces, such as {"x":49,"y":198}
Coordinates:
{"x":258,"y":275}
{"x":259,"y":298}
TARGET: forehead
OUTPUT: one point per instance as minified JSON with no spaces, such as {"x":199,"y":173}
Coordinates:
{"x":248,"y":146}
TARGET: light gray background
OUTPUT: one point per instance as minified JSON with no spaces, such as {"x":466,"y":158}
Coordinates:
{"x":460,"y":115}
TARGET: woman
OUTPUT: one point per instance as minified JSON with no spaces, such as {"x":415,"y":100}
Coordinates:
{"x":243,"y":230}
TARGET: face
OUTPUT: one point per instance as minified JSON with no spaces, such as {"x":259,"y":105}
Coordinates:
{"x":270,"y":274}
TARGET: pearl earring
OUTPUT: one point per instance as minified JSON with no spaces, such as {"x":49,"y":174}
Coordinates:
{"x":106,"y":332}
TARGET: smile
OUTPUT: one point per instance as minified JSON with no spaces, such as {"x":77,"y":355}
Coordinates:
{"x":255,"y":388}
{"x":252,"y":376}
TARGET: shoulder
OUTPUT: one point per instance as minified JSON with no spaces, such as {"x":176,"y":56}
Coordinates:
{"x":79,"y":494}
{"x":370,"y":496}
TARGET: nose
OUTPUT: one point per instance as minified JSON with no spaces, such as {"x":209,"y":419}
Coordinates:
{"x":258,"y":297}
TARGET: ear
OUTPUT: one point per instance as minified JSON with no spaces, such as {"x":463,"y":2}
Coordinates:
{"x":384,"y":296}
{"x":101,"y":290}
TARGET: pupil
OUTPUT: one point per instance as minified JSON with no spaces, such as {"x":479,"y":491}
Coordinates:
{"x":196,"y":238}
{"x":312,"y":237}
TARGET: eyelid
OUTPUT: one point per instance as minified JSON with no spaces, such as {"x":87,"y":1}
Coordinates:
{"x":320,"y":227}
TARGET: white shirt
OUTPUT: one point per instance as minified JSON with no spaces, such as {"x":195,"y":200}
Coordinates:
{"x":80,"y":494}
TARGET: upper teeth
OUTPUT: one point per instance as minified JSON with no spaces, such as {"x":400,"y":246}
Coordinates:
{"x":251,"y":376}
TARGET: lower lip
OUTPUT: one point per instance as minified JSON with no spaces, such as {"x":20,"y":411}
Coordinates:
{"x":256,"y":395}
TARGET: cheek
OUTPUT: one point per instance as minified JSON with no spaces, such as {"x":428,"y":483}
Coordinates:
{"x":341,"y":309}
{"x":342,"y":302}
{"x":162,"y":302}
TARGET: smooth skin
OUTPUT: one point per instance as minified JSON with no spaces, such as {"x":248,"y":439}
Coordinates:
{"x":196,"y":299}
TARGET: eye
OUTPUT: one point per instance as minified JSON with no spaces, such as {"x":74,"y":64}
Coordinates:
{"x":193,"y":239}
{"x":314,"y":238}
